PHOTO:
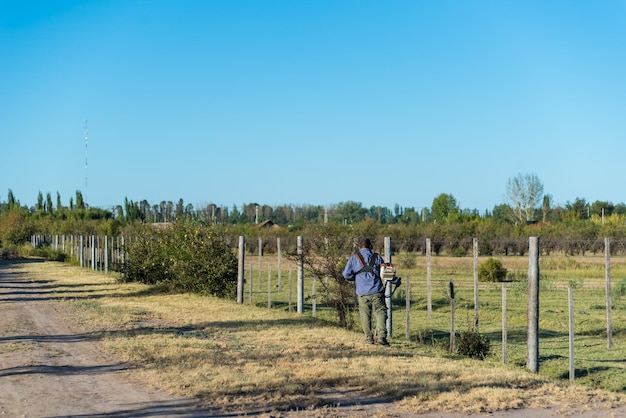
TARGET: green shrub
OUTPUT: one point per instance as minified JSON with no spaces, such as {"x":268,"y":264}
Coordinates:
{"x":187,"y":257}
{"x":49,"y":254}
{"x":146,"y":258}
{"x":472,"y":344}
{"x":491,"y":270}
{"x":16,"y":227}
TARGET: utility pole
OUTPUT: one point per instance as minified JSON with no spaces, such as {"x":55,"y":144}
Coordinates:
{"x":86,"y":142}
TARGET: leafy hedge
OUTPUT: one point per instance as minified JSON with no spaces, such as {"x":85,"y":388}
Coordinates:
{"x":187,"y":256}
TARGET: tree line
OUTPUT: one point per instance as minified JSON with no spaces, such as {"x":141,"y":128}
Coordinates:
{"x":444,"y":209}
{"x":576,"y":227}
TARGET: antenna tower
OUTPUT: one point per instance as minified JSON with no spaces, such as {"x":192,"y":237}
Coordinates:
{"x":86,"y":142}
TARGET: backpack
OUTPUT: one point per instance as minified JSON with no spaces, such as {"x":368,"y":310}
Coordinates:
{"x":388,"y":271}
{"x":367,"y":267}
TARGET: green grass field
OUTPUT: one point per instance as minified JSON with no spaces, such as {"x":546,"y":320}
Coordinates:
{"x":595,"y":365}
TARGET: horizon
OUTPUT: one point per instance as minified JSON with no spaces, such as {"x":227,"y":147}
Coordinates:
{"x":229,"y":207}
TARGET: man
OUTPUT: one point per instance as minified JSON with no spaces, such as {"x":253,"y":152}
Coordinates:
{"x":364,"y":268}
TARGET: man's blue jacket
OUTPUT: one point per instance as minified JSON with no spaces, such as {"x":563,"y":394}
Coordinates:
{"x":366,"y":283}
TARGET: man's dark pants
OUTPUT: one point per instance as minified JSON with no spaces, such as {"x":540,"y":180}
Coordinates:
{"x":373,"y":305}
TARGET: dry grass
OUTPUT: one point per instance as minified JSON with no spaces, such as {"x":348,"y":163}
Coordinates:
{"x":247,"y":358}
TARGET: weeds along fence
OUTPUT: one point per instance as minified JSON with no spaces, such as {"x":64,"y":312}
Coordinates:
{"x":580,"y":300}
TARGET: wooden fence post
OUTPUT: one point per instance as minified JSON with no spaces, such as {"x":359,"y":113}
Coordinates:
{"x":429,"y":299}
{"x":269,"y":285}
{"x":452,"y":319}
{"x":290,"y":289}
{"x":123,"y":252}
{"x":251,"y":283}
{"x":533,"y":305}
{"x":388,"y":290}
{"x":98,"y":254}
{"x":82,"y":252}
{"x":240,"y":268}
{"x":106,"y":253}
{"x":570,"y":300}
{"x":407,"y":290}
{"x":93,"y":252}
{"x":504,"y":324}
{"x":475,"y":247}
{"x":279,"y":266}
{"x":300,"y":280}
{"x":260,"y":267}
{"x":607,"y":274}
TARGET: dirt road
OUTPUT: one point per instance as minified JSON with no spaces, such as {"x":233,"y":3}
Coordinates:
{"x":49,"y":369}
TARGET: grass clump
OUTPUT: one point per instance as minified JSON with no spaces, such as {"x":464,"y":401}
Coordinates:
{"x":472,"y":344}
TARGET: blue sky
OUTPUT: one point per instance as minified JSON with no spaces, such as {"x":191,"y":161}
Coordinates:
{"x":312,"y":102}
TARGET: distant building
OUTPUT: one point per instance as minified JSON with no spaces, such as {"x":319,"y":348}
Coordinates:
{"x":268,"y":224}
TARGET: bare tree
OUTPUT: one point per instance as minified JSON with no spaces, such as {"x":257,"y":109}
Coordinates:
{"x":326,"y":250}
{"x":525,"y":193}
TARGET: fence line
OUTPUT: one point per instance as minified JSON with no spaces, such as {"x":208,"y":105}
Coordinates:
{"x":106,"y":253}
{"x":98,"y":253}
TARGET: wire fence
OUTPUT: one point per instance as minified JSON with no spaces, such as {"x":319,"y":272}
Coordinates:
{"x":440,"y":298}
